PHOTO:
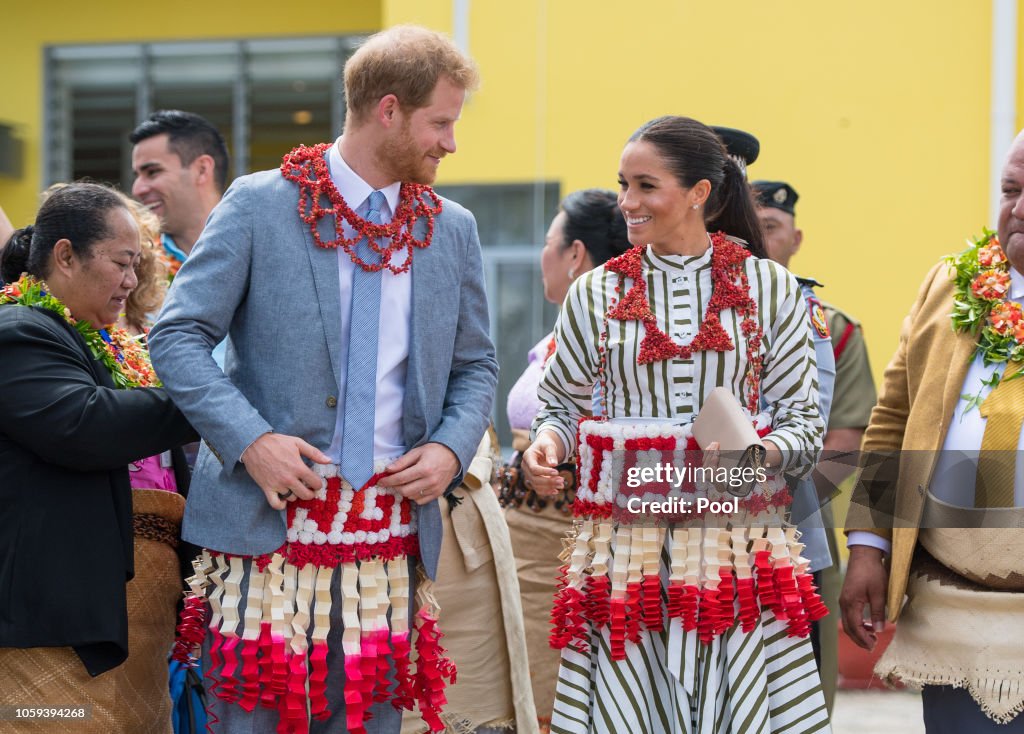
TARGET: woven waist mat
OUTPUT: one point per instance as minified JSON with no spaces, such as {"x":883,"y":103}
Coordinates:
{"x":987,"y":556}
{"x":955,"y":632}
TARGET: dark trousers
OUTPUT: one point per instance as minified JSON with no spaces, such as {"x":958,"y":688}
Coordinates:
{"x":949,"y":710}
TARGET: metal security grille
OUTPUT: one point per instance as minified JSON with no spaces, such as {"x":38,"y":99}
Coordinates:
{"x":512,"y":219}
{"x":265,"y":96}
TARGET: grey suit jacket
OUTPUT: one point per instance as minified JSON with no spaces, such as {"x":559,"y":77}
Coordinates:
{"x":256,"y":277}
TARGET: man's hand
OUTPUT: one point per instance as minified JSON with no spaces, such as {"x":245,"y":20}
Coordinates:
{"x":867,"y":580}
{"x":539,"y":462}
{"x":274,"y":461}
{"x":424,"y":473}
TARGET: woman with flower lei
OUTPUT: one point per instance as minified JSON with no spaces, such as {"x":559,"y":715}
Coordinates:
{"x":79,"y":402}
{"x":687,"y":309}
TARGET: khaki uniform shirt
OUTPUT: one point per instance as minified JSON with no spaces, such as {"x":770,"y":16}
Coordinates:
{"x":854,"y":395}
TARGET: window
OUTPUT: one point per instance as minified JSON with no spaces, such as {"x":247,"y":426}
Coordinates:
{"x":265,"y":96}
{"x":512,"y":219}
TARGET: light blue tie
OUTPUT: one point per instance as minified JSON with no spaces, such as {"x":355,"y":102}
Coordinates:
{"x":361,"y":378}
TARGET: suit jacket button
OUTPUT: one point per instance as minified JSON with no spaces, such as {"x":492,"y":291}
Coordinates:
{"x":332,"y":402}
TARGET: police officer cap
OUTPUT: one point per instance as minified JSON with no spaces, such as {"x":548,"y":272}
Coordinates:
{"x":741,"y":145}
{"x":776,"y":194}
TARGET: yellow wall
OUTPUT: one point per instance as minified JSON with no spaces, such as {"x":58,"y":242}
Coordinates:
{"x":877,"y":112}
{"x":29,"y":26}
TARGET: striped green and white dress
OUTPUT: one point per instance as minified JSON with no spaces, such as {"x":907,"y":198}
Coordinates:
{"x":751,"y":683}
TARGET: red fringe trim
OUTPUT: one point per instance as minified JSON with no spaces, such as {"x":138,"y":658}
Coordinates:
{"x":634,"y":612}
{"x":279,"y":655}
{"x":274,"y":677}
{"x":354,"y":704}
{"x":293,"y":718}
{"x":707,"y":615}
{"x":617,"y":628}
{"x":766,"y":593}
{"x":403,"y":696}
{"x":813,"y":603}
{"x":266,"y":645}
{"x":368,"y":669}
{"x":433,"y":667}
{"x":216,"y":661}
{"x":683,"y":600}
{"x":726,"y":612}
{"x":750,"y":613}
{"x":791,"y":597}
{"x":579,"y":477}
{"x":318,"y":681}
{"x":381,"y":690}
{"x":792,"y":602}
{"x":598,"y":591}
{"x":374,"y":651}
{"x":249,"y":675}
{"x":567,"y":617}
{"x":190,"y":632}
{"x":650,"y":601}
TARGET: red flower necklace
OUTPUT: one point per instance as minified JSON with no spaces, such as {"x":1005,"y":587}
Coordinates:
{"x":307,"y":167}
{"x":730,"y":289}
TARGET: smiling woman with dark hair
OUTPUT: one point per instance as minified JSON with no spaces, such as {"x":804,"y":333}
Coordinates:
{"x":681,"y":628}
{"x":78,"y":403}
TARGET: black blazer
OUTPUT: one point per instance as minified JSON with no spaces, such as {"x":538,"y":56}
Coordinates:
{"x":67,"y":436}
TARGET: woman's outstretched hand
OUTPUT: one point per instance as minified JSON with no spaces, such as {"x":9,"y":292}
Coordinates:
{"x":539,"y":462}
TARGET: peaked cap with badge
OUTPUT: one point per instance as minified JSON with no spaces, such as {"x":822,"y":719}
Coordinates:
{"x":777,"y":195}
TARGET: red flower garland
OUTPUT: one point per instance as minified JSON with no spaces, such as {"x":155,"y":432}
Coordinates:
{"x":307,"y":167}
{"x":730,"y":289}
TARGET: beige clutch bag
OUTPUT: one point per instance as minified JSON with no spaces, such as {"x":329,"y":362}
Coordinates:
{"x":722,"y":419}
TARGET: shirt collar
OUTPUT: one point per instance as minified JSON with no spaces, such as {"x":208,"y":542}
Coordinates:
{"x":353,"y":189}
{"x":676,"y":263}
{"x":1016,"y":286}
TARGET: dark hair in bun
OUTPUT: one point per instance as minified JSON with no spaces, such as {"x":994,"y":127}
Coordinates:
{"x":14,"y":256}
{"x":593,"y":217}
{"x":76,"y":212}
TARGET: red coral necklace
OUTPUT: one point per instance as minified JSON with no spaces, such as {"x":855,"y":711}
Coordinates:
{"x":730,"y":289}
{"x":307,"y":167}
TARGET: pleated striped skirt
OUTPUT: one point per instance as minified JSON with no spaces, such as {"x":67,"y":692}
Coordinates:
{"x":758,"y":682}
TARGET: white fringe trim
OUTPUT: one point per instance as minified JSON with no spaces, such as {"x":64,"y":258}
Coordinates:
{"x":1001,"y":700}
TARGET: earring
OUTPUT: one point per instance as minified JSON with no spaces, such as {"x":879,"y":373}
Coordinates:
{"x":696,"y":205}
{"x":572,"y":273}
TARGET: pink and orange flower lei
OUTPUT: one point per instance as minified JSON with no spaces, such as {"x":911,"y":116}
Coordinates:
{"x":731,"y":289}
{"x":981,"y":278}
{"x":172,"y":264}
